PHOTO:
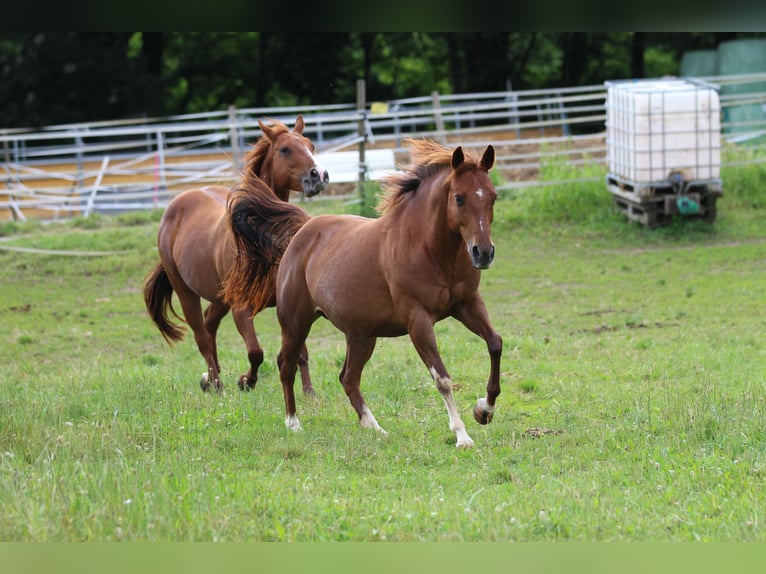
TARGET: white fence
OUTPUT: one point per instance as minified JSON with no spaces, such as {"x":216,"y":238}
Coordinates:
{"x":140,"y":163}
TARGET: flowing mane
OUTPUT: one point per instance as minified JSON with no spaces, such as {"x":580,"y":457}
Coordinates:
{"x":427,"y":159}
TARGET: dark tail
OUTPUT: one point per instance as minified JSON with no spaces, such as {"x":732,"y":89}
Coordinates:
{"x":157,"y":296}
{"x":262,"y":225}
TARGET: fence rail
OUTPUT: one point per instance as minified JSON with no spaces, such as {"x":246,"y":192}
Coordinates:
{"x":143,"y":162}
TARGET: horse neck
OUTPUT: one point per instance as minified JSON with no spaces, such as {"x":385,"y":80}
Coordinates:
{"x":442,"y":243}
{"x":267,"y":176}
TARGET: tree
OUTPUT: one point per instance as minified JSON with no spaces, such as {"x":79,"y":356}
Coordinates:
{"x":57,"y":77}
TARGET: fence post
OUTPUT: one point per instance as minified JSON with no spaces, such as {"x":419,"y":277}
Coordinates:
{"x":361,"y":105}
{"x":438,"y":119}
{"x":234,"y":138}
{"x":94,"y":191}
{"x":159,"y":168}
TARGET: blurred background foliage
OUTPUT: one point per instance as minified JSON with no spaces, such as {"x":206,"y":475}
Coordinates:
{"x":61,"y":77}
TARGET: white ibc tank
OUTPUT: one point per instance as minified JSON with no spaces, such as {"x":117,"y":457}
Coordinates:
{"x":657,"y":127}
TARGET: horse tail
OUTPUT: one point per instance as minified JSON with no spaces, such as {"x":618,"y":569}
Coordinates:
{"x":262,"y":225}
{"x":157,"y":296}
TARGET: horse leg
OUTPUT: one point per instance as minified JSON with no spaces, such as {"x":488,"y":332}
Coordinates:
{"x":358,"y":352}
{"x":474,"y":316}
{"x":293,"y":341}
{"x":213,"y":315}
{"x":190,"y":303}
{"x":303,"y":366}
{"x":422,"y":335}
{"x":244,"y":323}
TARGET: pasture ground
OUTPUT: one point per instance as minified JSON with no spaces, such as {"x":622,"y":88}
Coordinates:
{"x":633,"y":403}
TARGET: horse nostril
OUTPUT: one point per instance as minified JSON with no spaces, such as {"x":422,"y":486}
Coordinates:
{"x":475,"y":252}
{"x":326,"y":177}
{"x":492,"y":253}
{"x":314,"y":174}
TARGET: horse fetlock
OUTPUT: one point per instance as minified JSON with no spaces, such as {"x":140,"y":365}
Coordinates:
{"x":204,"y":382}
{"x":368,"y":421}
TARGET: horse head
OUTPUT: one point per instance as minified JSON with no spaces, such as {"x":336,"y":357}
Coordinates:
{"x":471,"y":204}
{"x":292,"y":161}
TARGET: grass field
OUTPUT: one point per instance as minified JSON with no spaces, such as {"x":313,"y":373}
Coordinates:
{"x":633,"y":403}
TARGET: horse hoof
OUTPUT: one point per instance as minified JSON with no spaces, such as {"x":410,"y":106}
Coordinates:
{"x":464,"y":441}
{"x":204,"y":383}
{"x":292,"y":423}
{"x":482,"y":416}
{"x":309,"y":391}
{"x":246,"y":383}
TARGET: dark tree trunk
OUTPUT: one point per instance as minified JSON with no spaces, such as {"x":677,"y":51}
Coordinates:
{"x":575,"y":53}
{"x":637,"y":55}
{"x":152,"y":51}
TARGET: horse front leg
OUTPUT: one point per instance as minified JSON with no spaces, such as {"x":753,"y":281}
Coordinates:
{"x":421,"y":333}
{"x":475,"y":317}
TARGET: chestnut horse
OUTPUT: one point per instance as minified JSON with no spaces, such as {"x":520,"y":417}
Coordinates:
{"x":417,"y":264}
{"x":197,"y":248}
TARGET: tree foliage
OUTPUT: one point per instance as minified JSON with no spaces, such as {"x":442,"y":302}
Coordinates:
{"x":62,"y":77}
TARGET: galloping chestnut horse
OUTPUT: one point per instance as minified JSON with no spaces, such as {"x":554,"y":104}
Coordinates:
{"x":197,"y":248}
{"x":417,"y":264}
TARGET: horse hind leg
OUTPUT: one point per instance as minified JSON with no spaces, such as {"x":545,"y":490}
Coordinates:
{"x":287,"y":362}
{"x":213,"y":315}
{"x":303,"y":366}
{"x":244,"y":323}
{"x":192,"y":308}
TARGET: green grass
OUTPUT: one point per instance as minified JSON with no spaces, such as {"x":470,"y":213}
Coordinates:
{"x":634,"y":395}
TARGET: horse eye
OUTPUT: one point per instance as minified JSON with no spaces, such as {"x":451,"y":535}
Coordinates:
{"x":284,"y":149}
{"x":460,"y":200}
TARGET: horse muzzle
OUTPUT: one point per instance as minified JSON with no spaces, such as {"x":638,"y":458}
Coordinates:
{"x":315,"y":181}
{"x":482,"y":257}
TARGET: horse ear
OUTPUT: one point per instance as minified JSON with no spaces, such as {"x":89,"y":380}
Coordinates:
{"x":299,"y":125}
{"x":488,"y":158}
{"x":457,"y":157}
{"x":267,"y":131}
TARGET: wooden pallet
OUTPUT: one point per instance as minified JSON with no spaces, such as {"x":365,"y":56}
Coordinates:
{"x":657,"y":205}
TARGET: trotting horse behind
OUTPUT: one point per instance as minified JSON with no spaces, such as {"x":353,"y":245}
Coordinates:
{"x":197,"y":248}
{"x":399,"y":274}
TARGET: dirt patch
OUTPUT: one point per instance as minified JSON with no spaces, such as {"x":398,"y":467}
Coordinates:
{"x":537,"y":432}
